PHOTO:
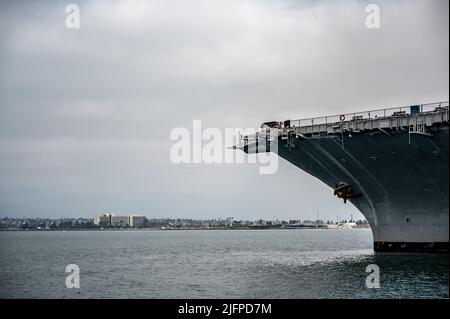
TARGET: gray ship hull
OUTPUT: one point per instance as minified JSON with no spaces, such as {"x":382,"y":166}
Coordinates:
{"x":402,"y":180}
{"x":404,"y":186}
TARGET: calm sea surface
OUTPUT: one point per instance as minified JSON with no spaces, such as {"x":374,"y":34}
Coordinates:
{"x":213,"y":264}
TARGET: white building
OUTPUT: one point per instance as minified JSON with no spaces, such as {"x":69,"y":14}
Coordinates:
{"x":114,"y":220}
{"x":121,"y":221}
{"x":103,"y":220}
{"x":348,"y":225}
{"x":136,"y":220}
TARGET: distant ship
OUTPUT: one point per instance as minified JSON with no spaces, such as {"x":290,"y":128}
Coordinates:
{"x":391,"y":164}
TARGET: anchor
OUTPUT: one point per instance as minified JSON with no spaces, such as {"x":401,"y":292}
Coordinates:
{"x":344,"y":191}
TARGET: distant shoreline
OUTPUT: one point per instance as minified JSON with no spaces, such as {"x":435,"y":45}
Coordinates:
{"x":178,"y":229}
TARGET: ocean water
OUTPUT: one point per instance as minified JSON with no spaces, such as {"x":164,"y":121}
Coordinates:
{"x":213,"y":264}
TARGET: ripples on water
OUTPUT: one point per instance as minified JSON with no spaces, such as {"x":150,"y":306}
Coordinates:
{"x":213,"y":264}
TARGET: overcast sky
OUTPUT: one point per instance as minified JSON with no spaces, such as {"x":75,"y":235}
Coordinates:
{"x":86,"y":115}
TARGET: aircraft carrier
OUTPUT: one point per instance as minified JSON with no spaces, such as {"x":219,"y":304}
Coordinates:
{"x":392,"y":164}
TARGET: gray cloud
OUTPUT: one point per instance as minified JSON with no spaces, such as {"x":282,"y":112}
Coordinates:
{"x":85,"y":115}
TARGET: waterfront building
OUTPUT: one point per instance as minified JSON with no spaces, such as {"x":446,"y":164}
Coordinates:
{"x":121,"y":221}
{"x":103,"y":220}
{"x":136,"y":220}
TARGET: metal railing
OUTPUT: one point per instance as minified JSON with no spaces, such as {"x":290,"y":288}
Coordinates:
{"x":373,"y":114}
{"x":342,"y":120}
